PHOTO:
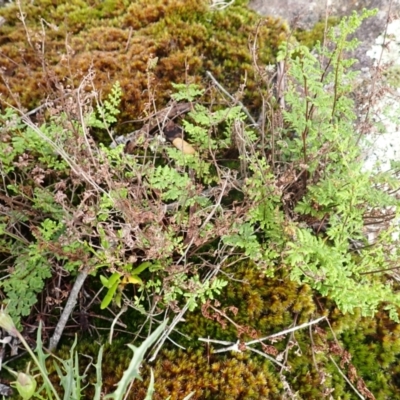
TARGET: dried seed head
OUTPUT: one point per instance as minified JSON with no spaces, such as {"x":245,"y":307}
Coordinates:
{"x":7,"y":323}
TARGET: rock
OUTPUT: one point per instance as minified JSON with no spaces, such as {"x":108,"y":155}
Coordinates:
{"x":304,"y":14}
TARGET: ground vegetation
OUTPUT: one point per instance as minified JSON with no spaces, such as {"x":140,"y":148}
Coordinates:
{"x":233,"y":210}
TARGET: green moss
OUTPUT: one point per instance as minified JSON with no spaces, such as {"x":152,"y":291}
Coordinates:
{"x":310,"y":37}
{"x":374,"y":345}
{"x":264,"y":306}
{"x":268,"y":305}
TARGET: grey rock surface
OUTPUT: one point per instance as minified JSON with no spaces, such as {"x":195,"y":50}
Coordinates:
{"x":305,"y":14}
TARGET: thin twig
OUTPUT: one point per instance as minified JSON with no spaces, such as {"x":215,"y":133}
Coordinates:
{"x":179,"y":317}
{"x":291,"y":340}
{"x":22,"y":19}
{"x":115,"y":320}
{"x":88,"y":77}
{"x":347,"y":379}
{"x":220,"y":5}
{"x":168,"y":331}
{"x":223,"y":90}
{"x":296,"y":328}
{"x":128,"y":42}
{"x":312,"y":349}
{"x":72,"y":299}
{"x":377,"y":69}
{"x":236,"y":347}
{"x":59,"y":150}
{"x":268,"y":357}
{"x":207,"y":220}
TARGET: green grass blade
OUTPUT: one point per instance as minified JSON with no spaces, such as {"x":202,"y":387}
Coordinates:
{"x":132,"y":372}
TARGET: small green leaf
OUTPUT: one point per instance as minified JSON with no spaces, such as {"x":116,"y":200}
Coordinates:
{"x":105,"y":281}
{"x":109,"y":296}
{"x":114,"y":278}
{"x":118,"y":298}
{"x":141,"y":268}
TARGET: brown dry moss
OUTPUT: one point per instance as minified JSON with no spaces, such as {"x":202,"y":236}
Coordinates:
{"x":232,"y":377}
{"x":115,"y":40}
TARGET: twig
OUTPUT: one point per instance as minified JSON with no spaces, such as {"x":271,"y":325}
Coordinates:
{"x":225,"y":316}
{"x":288,"y":347}
{"x":167,"y":332}
{"x":296,"y":328}
{"x":230,"y":346}
{"x":176,"y":344}
{"x":223,"y":90}
{"x":312,"y":349}
{"x":89,"y":77}
{"x":347,"y":379}
{"x":377,"y":68}
{"x":179,"y":317}
{"x":207,"y":220}
{"x":115,"y":320}
{"x":76,"y":168}
{"x":220,"y":5}
{"x":72,"y":299}
{"x":22,"y":19}
{"x":269,"y":358}
{"x":128,"y":42}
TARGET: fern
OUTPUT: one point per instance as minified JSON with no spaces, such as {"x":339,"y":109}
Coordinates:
{"x":107,"y":111}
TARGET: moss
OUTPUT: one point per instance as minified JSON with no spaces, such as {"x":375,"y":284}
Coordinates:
{"x":374,"y":344}
{"x":230,"y":377}
{"x":268,"y":305}
{"x":264,"y":306}
{"x":310,"y":37}
{"x":177,"y":372}
{"x":115,"y":40}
